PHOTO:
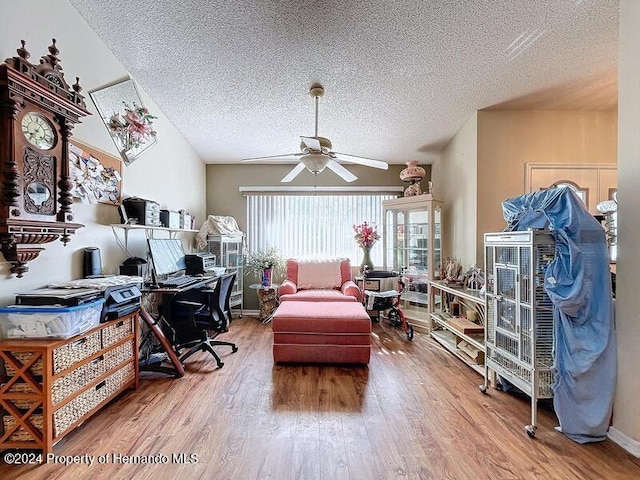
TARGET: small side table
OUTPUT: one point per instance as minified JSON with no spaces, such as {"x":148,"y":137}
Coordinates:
{"x":268,"y":300}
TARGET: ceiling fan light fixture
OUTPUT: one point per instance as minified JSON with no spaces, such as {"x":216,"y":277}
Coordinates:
{"x":315,"y":162}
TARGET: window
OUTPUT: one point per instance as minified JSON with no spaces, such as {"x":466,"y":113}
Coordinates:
{"x":313,"y":225}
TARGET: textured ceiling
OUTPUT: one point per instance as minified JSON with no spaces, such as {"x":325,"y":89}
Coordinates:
{"x":400,"y":77}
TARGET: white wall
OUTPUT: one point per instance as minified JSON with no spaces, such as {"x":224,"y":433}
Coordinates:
{"x":455,"y":182}
{"x":626,"y":410}
{"x":170,"y":172}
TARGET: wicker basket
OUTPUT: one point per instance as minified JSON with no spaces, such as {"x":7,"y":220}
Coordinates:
{"x":22,"y":435}
{"x":24,"y":357}
{"x":117,"y":331}
{"x":69,"y":414}
{"x":71,"y":353}
{"x":118,"y":355}
{"x":75,"y":380}
{"x":21,"y":387}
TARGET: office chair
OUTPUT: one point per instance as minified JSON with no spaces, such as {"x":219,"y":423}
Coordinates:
{"x":208,"y":318}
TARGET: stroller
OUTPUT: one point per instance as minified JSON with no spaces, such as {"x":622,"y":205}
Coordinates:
{"x":389,"y":301}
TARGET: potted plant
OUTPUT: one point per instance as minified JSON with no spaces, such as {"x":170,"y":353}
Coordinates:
{"x":263,"y":263}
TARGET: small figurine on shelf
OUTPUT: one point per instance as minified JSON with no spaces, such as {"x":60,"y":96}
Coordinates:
{"x":412,"y":174}
{"x":475,"y":280}
{"x":451,"y":272}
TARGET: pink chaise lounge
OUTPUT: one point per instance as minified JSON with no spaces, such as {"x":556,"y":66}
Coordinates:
{"x":320,"y":319}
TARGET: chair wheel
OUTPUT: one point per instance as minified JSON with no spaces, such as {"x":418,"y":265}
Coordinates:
{"x":220,"y":364}
{"x":234,"y":349}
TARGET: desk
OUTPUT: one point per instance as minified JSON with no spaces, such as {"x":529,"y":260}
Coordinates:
{"x":267,"y":300}
{"x":163,"y":345}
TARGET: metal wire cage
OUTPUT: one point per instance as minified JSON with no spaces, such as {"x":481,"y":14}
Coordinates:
{"x":520,"y":331}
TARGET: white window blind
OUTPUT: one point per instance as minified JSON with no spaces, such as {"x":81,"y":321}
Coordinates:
{"x":308,"y":225}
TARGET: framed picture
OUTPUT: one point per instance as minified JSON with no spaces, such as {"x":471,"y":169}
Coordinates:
{"x":96,"y":175}
{"x":128,"y":121}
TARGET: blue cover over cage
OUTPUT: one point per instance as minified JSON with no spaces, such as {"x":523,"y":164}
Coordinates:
{"x":578,"y":282}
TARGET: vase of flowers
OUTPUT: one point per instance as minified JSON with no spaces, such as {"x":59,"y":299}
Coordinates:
{"x":132,"y":130}
{"x":263,"y":264}
{"x":366,"y":235}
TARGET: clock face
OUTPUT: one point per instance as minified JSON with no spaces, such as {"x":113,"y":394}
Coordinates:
{"x":38,"y":131}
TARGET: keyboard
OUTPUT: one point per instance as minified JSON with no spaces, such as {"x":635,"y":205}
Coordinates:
{"x":177,"y":282}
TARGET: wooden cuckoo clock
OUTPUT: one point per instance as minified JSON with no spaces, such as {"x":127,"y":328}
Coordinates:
{"x":38,"y":110}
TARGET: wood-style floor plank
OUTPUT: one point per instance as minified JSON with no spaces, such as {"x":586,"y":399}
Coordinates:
{"x":414,"y":413}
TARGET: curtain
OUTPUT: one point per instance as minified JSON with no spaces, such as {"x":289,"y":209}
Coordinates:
{"x":313,"y":225}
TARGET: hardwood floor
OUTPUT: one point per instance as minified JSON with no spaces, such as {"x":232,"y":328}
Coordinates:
{"x":414,"y":413}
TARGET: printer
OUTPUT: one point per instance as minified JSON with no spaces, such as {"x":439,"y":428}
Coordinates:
{"x":199,"y":263}
{"x":120,"y":299}
{"x":147,"y":212}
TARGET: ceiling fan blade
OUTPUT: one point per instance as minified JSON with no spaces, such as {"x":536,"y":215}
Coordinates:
{"x":342,"y":172}
{"x":312,"y":143}
{"x":285,"y":155}
{"x":293,"y":173}
{"x":369,"y":162}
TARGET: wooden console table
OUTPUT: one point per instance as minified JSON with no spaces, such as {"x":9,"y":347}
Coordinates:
{"x":50,"y":387}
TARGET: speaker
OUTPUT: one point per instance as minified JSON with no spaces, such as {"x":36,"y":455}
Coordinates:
{"x":92,"y":264}
{"x":132,"y":270}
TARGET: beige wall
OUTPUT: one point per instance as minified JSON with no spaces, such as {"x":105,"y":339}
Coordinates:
{"x":454,"y":177}
{"x":224,"y":198}
{"x":626,"y":410}
{"x":508,"y":140}
{"x":160,"y":174}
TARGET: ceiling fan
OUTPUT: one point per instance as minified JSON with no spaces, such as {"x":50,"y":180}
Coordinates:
{"x":316,"y":153}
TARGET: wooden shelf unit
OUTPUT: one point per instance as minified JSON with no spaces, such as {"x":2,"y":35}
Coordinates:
{"x":459,"y":335}
{"x":50,"y":387}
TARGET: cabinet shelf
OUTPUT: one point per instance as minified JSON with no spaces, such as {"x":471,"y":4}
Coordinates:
{"x":412,"y":240}
{"x":415,"y":297}
{"x":147,"y":229}
{"x":52,"y":386}
{"x":475,"y":339}
{"x":461,"y":336}
{"x":448,"y":341}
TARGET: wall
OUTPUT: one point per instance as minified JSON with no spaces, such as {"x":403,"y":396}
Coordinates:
{"x":626,"y":410}
{"x":224,"y":198}
{"x":454,"y":177}
{"x":508,"y":140}
{"x":160,"y":174}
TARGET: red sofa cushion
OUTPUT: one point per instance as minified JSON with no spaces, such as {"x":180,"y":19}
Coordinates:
{"x":330,"y":317}
{"x":317,"y":296}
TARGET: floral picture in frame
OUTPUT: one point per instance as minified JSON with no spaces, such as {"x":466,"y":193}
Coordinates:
{"x":127,"y":120}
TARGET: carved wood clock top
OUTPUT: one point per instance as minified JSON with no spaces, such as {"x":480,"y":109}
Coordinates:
{"x":38,"y":110}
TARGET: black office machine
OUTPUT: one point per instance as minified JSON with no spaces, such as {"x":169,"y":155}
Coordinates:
{"x":147,"y":212}
{"x":170,"y":219}
{"x":200,"y":263}
{"x":120,"y":299}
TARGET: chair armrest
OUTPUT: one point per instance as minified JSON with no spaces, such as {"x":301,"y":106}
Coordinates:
{"x":350,"y":289}
{"x":287,"y":287}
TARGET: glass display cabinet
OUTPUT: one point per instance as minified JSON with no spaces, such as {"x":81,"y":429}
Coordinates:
{"x":229,"y":254}
{"x":413,"y":246}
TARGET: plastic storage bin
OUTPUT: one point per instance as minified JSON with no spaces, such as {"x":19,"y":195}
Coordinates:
{"x":49,"y":321}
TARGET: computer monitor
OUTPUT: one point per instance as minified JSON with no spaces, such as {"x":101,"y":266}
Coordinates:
{"x":167,"y":255}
